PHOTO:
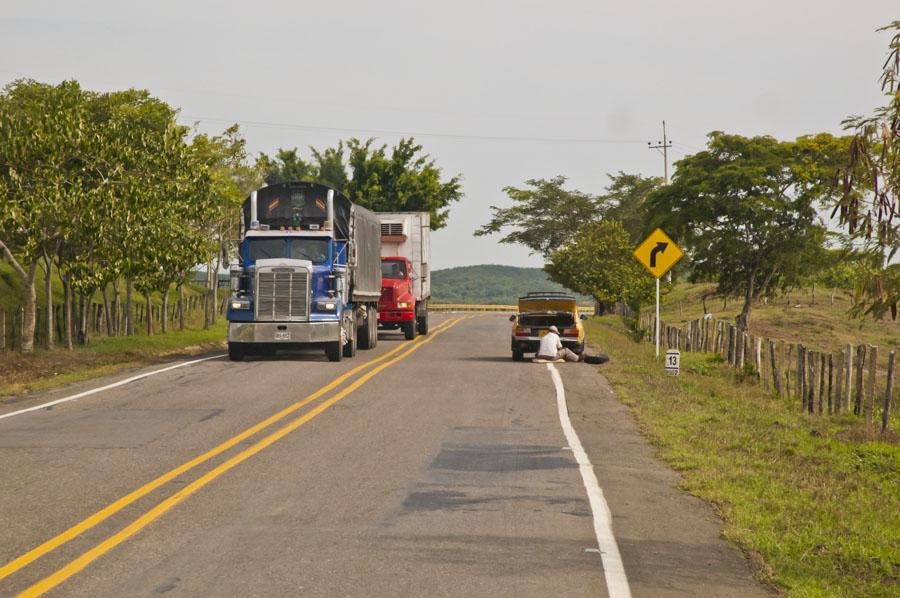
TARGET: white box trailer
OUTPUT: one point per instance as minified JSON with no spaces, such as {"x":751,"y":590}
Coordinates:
{"x":408,"y":234}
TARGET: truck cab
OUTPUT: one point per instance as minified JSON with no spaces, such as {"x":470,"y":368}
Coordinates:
{"x":397,"y":305}
{"x":308,"y":273}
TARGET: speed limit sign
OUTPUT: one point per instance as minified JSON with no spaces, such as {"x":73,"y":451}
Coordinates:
{"x":673,"y":361}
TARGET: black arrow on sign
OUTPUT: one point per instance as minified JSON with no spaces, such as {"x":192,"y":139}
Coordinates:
{"x":660,"y":248}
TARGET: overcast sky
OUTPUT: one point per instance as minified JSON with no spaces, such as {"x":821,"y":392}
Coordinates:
{"x":463,"y":77}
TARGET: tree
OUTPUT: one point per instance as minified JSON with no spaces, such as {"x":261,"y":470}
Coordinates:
{"x":404,"y":181}
{"x":627,"y":195}
{"x":744,"y":210}
{"x":869,"y":205}
{"x":287,"y":165}
{"x":544,"y":216}
{"x":598,"y":262}
{"x":43,"y":140}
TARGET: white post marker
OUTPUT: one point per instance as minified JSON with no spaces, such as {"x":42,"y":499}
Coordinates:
{"x":657,"y":318}
{"x":673,"y":361}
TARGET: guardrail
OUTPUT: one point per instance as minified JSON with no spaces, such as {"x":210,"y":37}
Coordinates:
{"x":466,"y":307}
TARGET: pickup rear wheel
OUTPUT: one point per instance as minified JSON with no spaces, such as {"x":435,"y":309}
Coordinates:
{"x":518,"y":355}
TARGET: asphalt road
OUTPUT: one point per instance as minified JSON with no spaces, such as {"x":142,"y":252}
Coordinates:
{"x":443,"y":469}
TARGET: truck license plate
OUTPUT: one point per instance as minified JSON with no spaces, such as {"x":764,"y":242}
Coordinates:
{"x":282,"y":336}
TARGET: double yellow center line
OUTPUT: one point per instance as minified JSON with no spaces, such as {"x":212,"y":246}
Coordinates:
{"x":391,"y":357}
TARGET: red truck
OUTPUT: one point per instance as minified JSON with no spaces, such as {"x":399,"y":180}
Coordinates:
{"x":405,"y":282}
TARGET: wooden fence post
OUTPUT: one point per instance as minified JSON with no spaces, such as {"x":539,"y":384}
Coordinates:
{"x":869,"y":407}
{"x":813,"y":362}
{"x":860,"y":390}
{"x":801,"y":375}
{"x":848,"y":379}
{"x":889,"y":389}
{"x":830,"y":383}
{"x":776,"y":379}
{"x":821,"y":397}
{"x":2,"y":329}
{"x":788,"y":364}
{"x":839,"y":382}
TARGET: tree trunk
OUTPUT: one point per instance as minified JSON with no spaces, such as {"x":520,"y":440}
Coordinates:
{"x":48,"y":297}
{"x":129,"y":307}
{"x":117,"y":308}
{"x":83,"y":309}
{"x":813,"y":294}
{"x":181,"y":306}
{"x":164,"y":320}
{"x":107,"y":312}
{"x":149,"y":314}
{"x":743,"y":319}
{"x":67,"y":308}
{"x":30,"y":311}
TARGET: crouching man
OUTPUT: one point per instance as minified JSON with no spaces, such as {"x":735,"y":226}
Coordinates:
{"x":551,"y":349}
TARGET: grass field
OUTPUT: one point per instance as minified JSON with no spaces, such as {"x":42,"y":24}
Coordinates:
{"x":793,"y":317}
{"x":813,"y":502}
{"x":49,"y":368}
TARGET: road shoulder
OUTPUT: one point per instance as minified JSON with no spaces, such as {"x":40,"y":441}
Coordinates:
{"x":670,"y":541}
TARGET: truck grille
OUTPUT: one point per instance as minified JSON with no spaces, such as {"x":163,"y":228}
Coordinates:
{"x":282,"y":294}
{"x":387,"y":295}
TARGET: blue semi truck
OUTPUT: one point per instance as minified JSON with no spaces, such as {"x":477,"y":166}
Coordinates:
{"x":309,"y":273}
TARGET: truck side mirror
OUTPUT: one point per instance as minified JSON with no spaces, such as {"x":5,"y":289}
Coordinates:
{"x":584,"y":316}
{"x":512,"y":318}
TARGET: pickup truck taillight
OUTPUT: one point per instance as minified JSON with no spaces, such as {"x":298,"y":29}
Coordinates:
{"x":569,"y":332}
{"x":523,"y":331}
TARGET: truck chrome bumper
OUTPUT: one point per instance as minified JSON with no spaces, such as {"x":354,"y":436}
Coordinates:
{"x":285,"y":332}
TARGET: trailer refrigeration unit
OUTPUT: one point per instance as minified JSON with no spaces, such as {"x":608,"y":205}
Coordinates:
{"x":309,"y":273}
{"x":405,"y":280}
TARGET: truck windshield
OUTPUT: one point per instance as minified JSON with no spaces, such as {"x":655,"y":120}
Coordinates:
{"x":395,"y":270}
{"x":314,"y":250}
{"x":260,"y":249}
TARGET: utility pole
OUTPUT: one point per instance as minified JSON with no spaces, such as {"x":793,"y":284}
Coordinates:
{"x":664,"y":145}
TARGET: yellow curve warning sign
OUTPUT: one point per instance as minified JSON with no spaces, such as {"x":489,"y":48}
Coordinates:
{"x":658,"y":253}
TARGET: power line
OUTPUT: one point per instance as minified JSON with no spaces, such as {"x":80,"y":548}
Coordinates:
{"x":278,"y":125}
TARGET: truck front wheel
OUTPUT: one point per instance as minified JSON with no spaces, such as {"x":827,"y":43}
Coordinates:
{"x":334,"y":351}
{"x":409,"y":329}
{"x":236,"y":351}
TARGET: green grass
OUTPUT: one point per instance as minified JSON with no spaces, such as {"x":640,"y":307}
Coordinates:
{"x":793,"y":317}
{"x":814,"y":502}
{"x":45,"y":369}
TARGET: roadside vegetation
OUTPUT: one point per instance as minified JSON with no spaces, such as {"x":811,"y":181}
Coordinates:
{"x":812,"y":501}
{"x":491,"y":285}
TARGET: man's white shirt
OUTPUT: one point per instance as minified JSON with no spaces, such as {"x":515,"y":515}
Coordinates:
{"x":550,"y":345}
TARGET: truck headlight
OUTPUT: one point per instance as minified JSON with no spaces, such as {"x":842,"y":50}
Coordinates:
{"x":240,"y":304}
{"x":402,"y":305}
{"x":326,"y":305}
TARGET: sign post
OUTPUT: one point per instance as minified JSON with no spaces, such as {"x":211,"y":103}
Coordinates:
{"x":658,"y":253}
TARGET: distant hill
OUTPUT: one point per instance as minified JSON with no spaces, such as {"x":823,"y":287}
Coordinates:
{"x":490,"y":285}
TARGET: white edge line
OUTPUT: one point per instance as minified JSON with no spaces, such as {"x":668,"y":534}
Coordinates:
{"x":107,"y":387}
{"x":613,"y":567}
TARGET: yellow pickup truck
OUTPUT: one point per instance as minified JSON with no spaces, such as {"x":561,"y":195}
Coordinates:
{"x":537,"y":312}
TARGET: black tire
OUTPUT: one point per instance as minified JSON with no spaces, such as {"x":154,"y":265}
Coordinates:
{"x":409,"y":329}
{"x":367,"y":333}
{"x":236,"y":351}
{"x":518,"y":355}
{"x":350,"y":348}
{"x":333,"y":351}
{"x":422,"y":322}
